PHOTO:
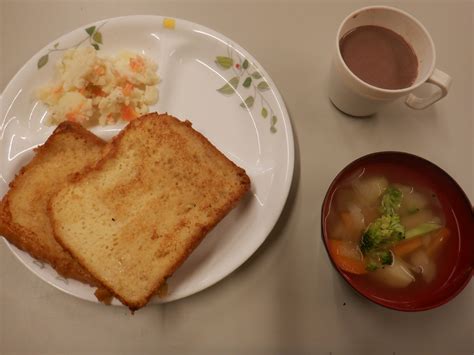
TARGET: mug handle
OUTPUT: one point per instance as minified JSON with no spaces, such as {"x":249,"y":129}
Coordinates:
{"x":438,"y":78}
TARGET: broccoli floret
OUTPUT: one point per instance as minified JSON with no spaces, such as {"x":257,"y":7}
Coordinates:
{"x":383,"y":232}
{"x":379,"y":238}
{"x":371,"y":266}
{"x":391,"y":200}
{"x":378,"y":259}
{"x":386,"y":257}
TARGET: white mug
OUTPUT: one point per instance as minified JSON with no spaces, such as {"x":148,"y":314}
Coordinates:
{"x":358,"y":98}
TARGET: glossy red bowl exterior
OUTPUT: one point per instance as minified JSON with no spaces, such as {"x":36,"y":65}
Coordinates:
{"x":456,"y":207}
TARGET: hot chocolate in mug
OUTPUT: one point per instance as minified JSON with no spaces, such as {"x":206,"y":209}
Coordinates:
{"x":374,"y":77}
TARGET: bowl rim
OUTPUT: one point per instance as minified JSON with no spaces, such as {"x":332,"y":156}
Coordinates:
{"x":403,"y":155}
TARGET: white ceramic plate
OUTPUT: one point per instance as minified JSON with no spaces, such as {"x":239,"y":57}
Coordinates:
{"x":199,"y":69}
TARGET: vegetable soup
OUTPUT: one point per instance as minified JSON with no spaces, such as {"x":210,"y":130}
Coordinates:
{"x":389,"y":232}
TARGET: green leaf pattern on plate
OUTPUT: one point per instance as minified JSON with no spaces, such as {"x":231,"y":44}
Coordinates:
{"x":224,"y":62}
{"x":90,"y":30}
{"x":94,"y":37}
{"x":248,"y":102}
{"x":97,"y":37}
{"x":230,"y":87}
{"x":43,"y":61}
{"x":273,"y":124}
{"x":247,"y":82}
{"x":256,"y":75}
{"x":263,"y":86}
{"x":253,"y":87}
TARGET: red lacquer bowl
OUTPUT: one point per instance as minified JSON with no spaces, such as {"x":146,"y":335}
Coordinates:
{"x":456,"y":269}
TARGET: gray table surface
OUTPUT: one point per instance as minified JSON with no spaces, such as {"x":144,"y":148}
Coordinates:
{"x":287,"y":298}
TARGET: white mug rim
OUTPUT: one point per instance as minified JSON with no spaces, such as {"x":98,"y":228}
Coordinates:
{"x":362,"y":82}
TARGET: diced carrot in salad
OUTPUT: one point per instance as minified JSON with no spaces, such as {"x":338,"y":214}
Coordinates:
{"x":128,"y":113}
{"x":128,"y":89}
{"x":97,"y":91}
{"x":58,"y":89}
{"x":137,"y":64}
{"x":103,"y":83}
{"x":99,"y":70}
{"x":83,"y":91}
{"x":71,"y":116}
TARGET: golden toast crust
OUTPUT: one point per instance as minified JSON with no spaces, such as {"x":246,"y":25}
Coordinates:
{"x":191,"y":233}
{"x":39,"y":244}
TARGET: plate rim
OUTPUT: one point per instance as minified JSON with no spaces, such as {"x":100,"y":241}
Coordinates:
{"x":289,"y":149}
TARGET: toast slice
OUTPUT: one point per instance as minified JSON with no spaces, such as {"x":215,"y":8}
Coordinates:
{"x":133,"y":218}
{"x":24,"y":221}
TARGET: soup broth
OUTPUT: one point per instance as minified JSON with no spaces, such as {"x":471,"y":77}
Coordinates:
{"x":391,"y":233}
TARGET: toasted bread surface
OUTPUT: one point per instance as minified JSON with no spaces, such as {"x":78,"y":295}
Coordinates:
{"x":23,"y":212}
{"x":133,"y":218}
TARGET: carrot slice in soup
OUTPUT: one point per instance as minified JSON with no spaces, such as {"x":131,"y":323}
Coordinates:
{"x":407,"y":246}
{"x":346,"y":263}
